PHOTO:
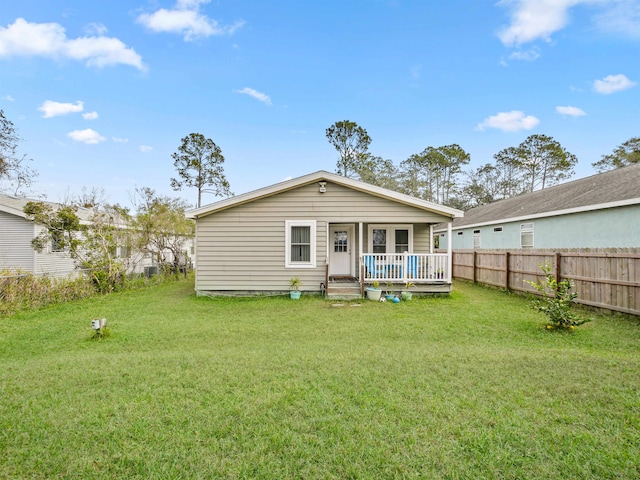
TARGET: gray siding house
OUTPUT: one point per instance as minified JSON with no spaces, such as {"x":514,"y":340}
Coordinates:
{"x":16,"y":252}
{"x":324,"y":229}
{"x":16,"y":233}
{"x":600,"y":211}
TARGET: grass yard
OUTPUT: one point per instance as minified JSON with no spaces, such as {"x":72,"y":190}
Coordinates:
{"x":469,"y":386}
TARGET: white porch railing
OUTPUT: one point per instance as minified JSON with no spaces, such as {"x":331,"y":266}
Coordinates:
{"x":405,"y":267}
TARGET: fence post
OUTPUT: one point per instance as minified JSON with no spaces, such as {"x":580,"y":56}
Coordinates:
{"x":557,"y":269}
{"x":506,"y":270}
{"x":475,"y":260}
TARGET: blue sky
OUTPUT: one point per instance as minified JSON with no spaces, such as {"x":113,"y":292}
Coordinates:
{"x":102,"y":92}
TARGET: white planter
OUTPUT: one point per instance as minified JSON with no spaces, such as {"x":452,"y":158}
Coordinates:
{"x":374,"y":294}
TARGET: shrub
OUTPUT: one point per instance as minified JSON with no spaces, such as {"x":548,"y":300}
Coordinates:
{"x":557,"y":300}
{"x":20,"y":290}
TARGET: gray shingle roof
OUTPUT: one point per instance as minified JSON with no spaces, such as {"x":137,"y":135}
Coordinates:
{"x":15,"y":206}
{"x":620,"y":186}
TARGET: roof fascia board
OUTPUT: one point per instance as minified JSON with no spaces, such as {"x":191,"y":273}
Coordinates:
{"x":12,"y":211}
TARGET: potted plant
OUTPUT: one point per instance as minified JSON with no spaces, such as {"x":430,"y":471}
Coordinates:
{"x":406,"y":294}
{"x":295,"y":283}
{"x":374,"y":292}
{"x":389,"y":296}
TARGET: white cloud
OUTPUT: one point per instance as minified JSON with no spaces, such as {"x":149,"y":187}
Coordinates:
{"x":534,"y":19}
{"x":54,"y":109}
{"x":50,"y":40}
{"x":145,"y":148}
{"x":613,"y":83}
{"x":9,"y":98}
{"x":90,"y":115}
{"x":88,"y":136}
{"x":621,"y":17}
{"x":187,"y":20}
{"x":539,"y":19}
{"x":571,"y":111}
{"x":509,"y":121}
{"x":119,"y":140}
{"x":96,"y":29}
{"x":526,"y":55}
{"x":255,"y":94}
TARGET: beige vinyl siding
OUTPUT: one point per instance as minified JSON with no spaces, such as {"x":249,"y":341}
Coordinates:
{"x":16,"y":234}
{"x":421,"y":238}
{"x":243,"y":247}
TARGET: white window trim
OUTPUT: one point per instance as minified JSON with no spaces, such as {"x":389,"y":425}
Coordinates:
{"x":528,"y":227}
{"x":287,"y":243}
{"x":476,"y":239}
{"x":391,"y":246}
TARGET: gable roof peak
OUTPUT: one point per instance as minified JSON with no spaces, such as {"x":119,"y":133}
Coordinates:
{"x":322,"y":175}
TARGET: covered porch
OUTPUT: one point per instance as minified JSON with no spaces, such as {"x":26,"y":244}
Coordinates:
{"x":395,"y":256}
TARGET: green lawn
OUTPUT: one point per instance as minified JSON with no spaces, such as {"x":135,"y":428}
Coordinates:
{"x":469,"y":386}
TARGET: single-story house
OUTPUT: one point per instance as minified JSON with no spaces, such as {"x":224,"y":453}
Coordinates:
{"x":332,"y":232}
{"x":16,"y":234}
{"x":17,"y":253}
{"x":600,"y":211}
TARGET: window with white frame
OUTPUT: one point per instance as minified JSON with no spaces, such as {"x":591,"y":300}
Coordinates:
{"x":402,"y":240}
{"x":300,"y":244}
{"x":526,"y":235}
{"x":390,"y":238}
{"x":476,"y":239}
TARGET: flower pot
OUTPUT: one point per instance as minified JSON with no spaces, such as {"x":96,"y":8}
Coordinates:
{"x":406,"y":295}
{"x":374,"y":294}
{"x":389,"y":297}
{"x":295,"y":294}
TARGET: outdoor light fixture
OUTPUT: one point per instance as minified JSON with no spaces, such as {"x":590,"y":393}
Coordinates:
{"x":323,"y":187}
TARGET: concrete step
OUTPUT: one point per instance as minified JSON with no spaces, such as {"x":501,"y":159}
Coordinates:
{"x":344,"y":291}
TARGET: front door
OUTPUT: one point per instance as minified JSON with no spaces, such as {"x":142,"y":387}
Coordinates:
{"x":340,"y":250}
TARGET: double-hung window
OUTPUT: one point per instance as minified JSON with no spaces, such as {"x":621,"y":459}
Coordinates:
{"x":526,"y":235}
{"x":476,"y":239}
{"x":300,"y":244}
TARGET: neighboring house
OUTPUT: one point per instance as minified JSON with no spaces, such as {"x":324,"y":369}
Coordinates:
{"x":16,"y":251}
{"x":16,"y":234}
{"x":324,"y":229}
{"x":600,"y":211}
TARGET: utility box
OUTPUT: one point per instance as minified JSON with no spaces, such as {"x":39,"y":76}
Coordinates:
{"x":98,"y":323}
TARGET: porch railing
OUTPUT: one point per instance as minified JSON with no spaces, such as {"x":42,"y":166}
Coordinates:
{"x":405,"y":267}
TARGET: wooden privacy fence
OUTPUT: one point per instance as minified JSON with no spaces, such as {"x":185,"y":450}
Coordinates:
{"x":608,"y":279}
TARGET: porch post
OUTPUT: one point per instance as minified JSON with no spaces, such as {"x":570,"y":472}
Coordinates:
{"x":360,"y":249}
{"x":450,"y":250}
{"x":431,"y":238}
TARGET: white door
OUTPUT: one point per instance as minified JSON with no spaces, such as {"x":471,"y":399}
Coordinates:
{"x":340,"y":249}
